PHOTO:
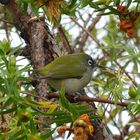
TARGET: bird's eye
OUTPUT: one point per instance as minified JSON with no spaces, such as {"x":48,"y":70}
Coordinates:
{"x":90,"y":62}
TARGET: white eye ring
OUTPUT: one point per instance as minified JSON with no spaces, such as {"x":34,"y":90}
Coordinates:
{"x":90,"y":62}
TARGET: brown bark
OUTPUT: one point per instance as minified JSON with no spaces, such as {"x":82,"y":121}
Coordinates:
{"x":40,"y":42}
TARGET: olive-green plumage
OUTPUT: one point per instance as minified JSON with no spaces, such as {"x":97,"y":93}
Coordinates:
{"x":73,"y":72}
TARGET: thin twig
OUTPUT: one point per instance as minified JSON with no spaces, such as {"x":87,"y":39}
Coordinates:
{"x":126,"y":73}
{"x":64,"y":39}
{"x":94,"y":38}
{"x":108,"y":98}
{"x":36,"y":96}
{"x":89,"y":29}
{"x":80,"y":36}
{"x":86,"y":98}
{"x":4,"y":20}
{"x":101,"y":46}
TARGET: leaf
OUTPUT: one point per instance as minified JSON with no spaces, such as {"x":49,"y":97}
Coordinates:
{"x":84,"y":3}
{"x":134,"y":107}
{"x":93,"y":5}
{"x":5,"y":46}
{"x":62,"y":116}
{"x":67,"y":105}
{"x":1,"y":52}
{"x":16,"y":134}
{"x":104,"y":14}
{"x":32,"y":126}
{"x":48,"y":135}
{"x":72,"y":4}
{"x":101,"y":2}
{"x":70,"y":10}
{"x":8,"y":111}
{"x":25,"y":8}
{"x":98,"y":82}
{"x":22,"y":137}
{"x":15,"y":51}
{"x":3,"y":57}
{"x":62,"y":119}
{"x":113,"y":10}
{"x":7,"y":103}
{"x":49,"y":105}
{"x":128,"y":3}
{"x":35,"y":10}
{"x":2,"y":89}
{"x":134,"y":123}
{"x":2,"y":99}
{"x":12,"y":65}
{"x":116,"y":2}
{"x":113,"y":53}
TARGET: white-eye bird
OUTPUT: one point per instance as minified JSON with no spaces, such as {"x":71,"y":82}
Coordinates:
{"x":73,"y":72}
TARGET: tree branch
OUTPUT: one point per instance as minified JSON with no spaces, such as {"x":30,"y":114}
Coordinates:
{"x":101,"y":46}
{"x":94,"y":38}
{"x":88,"y":99}
{"x":89,"y":29}
{"x":64,"y":40}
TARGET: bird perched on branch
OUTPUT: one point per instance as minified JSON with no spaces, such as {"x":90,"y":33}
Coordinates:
{"x":72,"y":72}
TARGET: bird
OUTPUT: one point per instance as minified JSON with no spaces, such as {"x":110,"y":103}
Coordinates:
{"x":72,"y":72}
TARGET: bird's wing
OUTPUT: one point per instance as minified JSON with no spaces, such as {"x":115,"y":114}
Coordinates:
{"x":61,"y":70}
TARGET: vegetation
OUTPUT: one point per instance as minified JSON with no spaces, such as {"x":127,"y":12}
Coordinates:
{"x":108,"y":30}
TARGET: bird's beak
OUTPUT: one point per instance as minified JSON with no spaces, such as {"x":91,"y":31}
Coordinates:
{"x":96,"y":65}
